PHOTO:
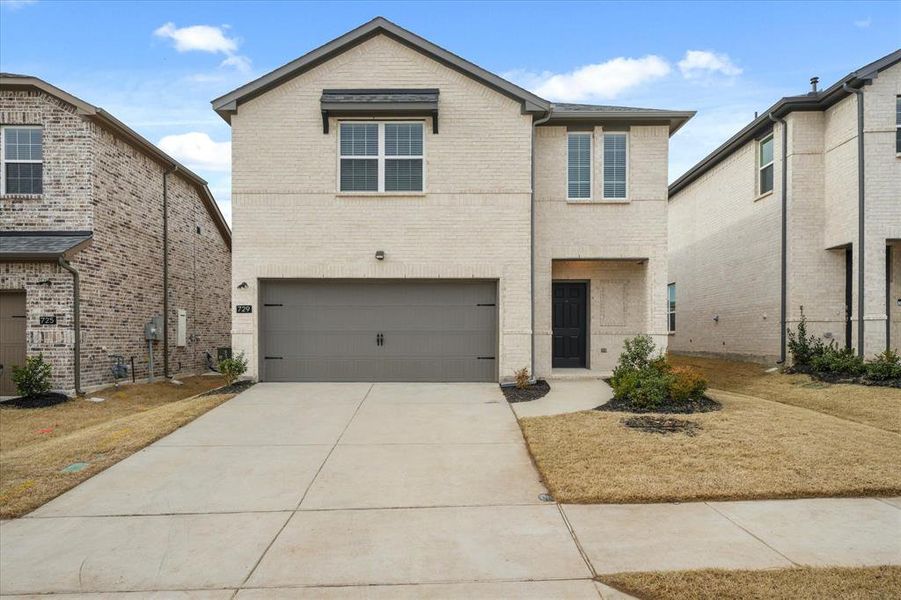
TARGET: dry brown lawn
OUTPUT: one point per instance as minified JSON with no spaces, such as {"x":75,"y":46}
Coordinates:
{"x":752,"y":448}
{"x":99,"y":434}
{"x":858,"y":583}
{"x":872,"y":405}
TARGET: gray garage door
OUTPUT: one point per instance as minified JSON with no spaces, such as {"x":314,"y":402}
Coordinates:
{"x":378,"y":330}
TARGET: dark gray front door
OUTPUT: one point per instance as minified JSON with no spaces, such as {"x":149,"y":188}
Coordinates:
{"x":570,"y":327}
{"x":12,"y":338}
{"x":378,"y":330}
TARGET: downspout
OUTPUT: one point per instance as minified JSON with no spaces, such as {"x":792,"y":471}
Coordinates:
{"x":860,"y":216}
{"x":166,"y":173}
{"x":76,"y":320}
{"x":783,"y":309}
{"x":535,"y":124}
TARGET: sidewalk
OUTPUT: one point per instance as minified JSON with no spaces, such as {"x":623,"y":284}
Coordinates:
{"x":760,"y":534}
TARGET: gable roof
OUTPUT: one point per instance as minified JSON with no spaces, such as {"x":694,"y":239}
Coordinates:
{"x":103,"y":118}
{"x":813,"y":101}
{"x":228,"y":104}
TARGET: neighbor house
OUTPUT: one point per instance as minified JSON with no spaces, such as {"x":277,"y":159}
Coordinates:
{"x":402,"y":214}
{"x":95,"y":224}
{"x":800,"y":209}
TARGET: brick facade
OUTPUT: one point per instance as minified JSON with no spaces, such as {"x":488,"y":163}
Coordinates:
{"x":725,"y":239}
{"x":473,"y":220}
{"x":94,"y":180}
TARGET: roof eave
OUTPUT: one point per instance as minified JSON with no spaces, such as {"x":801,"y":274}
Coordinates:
{"x":674,"y":119}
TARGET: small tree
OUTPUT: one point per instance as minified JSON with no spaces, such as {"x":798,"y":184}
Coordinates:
{"x":33,"y":379}
{"x":232,"y":368}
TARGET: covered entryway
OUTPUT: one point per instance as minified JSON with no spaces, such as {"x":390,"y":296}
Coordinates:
{"x":378,"y":330}
{"x":12,"y":338}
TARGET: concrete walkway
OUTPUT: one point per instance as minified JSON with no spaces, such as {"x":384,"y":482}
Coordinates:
{"x":566,"y":396}
{"x":388,"y":491}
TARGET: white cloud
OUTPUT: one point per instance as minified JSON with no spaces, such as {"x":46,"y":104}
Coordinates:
{"x":205,"y":38}
{"x":863,"y":23}
{"x":198,"y":151}
{"x":598,"y":81}
{"x":698,"y":63}
{"x":16,"y":4}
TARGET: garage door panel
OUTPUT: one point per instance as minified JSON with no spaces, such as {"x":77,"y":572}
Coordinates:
{"x":328,"y":330}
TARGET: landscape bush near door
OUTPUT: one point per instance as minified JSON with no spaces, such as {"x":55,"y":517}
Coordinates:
{"x":32,"y":379}
{"x":644,"y":381}
{"x":813,"y":356}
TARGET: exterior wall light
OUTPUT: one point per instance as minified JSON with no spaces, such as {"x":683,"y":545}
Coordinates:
{"x":380,"y":255}
{"x":242,"y":285}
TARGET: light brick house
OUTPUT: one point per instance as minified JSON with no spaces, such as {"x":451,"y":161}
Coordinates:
{"x":402,"y":214}
{"x":730,"y":215}
{"x":82,"y":191}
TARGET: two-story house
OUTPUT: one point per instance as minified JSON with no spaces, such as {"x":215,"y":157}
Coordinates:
{"x":402,"y":214}
{"x":100,"y":232}
{"x":801,"y":208}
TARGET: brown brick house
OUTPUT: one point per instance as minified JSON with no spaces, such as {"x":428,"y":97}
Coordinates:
{"x":82,"y":200}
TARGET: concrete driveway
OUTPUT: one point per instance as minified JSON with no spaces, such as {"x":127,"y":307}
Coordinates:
{"x":313,"y":490}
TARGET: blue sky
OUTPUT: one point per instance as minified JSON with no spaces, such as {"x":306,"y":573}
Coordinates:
{"x":156,"y":65}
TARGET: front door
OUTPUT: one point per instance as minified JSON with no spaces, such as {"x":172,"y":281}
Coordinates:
{"x":570,"y":327}
{"x":12,"y":338}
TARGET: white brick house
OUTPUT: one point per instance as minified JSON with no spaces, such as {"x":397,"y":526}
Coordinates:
{"x":82,"y":201}
{"x":730,"y":215}
{"x":401,"y":214}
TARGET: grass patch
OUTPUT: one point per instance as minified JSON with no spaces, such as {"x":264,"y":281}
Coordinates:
{"x":36,"y":444}
{"x":852,"y":583}
{"x":876,"y":406}
{"x":751,"y":448}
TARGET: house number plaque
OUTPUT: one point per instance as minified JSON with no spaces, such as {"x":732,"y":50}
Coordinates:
{"x":244,"y":309}
{"x":47,"y":320}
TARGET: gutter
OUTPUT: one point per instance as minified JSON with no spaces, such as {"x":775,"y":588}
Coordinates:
{"x":860,"y":215}
{"x":535,"y":124}
{"x":166,"y":174}
{"x":76,"y":320}
{"x":783,"y":309}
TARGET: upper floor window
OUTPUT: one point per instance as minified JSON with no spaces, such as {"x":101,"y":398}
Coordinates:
{"x":616,"y":165}
{"x":22,"y":171}
{"x":381,"y":157}
{"x":765,"y":165}
{"x":671,"y":307}
{"x":579,"y":166}
{"x":898,"y":124}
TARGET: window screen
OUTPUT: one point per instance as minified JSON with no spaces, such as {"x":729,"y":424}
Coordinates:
{"x":359,"y":174}
{"x":579,"y":161}
{"x":381,"y":157}
{"x":23,"y":155}
{"x":403,"y":140}
{"x":766,"y":165}
{"x":615,"y":167}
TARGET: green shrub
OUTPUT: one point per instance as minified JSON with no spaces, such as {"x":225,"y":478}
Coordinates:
{"x":34,"y":378}
{"x":651,"y":388}
{"x":232,"y":368}
{"x":885,"y":367}
{"x":686,"y":384}
{"x":639,"y":352}
{"x":832,"y":361}
{"x":804,"y":347}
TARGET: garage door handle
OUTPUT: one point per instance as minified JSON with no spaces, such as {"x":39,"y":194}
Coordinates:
{"x":272,"y":358}
{"x":485,"y":358}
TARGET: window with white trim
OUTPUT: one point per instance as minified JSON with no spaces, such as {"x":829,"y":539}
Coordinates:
{"x":578,"y":185}
{"x":671,"y":307}
{"x":765,"y":165}
{"x":616,"y":165}
{"x":22,"y":169}
{"x":381,"y":157}
{"x":898,"y":124}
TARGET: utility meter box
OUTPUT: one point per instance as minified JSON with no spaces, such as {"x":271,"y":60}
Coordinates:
{"x":153,"y":330}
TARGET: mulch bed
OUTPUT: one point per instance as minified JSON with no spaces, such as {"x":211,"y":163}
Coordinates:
{"x":532,"y":392}
{"x":235,"y":388}
{"x":662,"y":425}
{"x":705,"y":404}
{"x":36,"y":401}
